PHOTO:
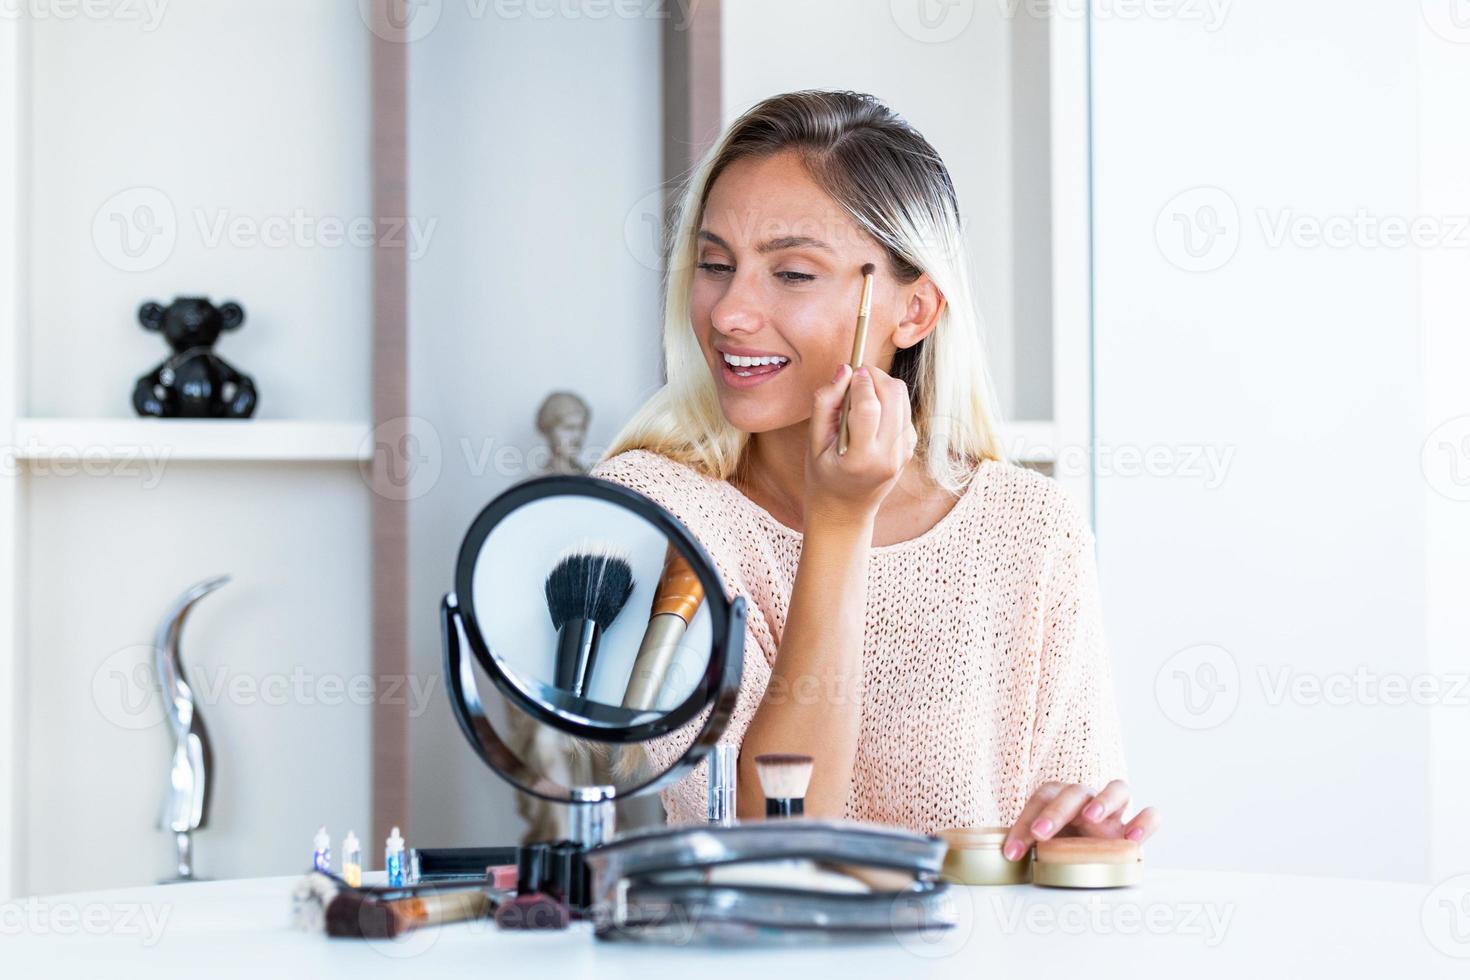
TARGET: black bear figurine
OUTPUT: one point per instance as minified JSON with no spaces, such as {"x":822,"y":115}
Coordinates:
{"x":195,"y":383}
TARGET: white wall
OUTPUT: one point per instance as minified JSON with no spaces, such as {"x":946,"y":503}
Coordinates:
{"x":254,"y":114}
{"x":277,"y":658}
{"x":1444,"y":156}
{"x":534,"y":143}
{"x":12,"y":607}
{"x":1304,"y":366}
{"x":257,"y":112}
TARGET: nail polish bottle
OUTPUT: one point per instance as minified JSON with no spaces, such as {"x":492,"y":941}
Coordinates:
{"x":321,"y":851}
{"x":352,"y":860}
{"x":393,"y":859}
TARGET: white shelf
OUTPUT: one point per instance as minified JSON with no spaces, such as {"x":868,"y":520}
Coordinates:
{"x":221,"y":440}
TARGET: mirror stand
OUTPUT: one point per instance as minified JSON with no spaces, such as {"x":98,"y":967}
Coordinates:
{"x":593,"y":817}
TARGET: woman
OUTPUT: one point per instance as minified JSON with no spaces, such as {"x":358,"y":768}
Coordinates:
{"x":923,"y":617}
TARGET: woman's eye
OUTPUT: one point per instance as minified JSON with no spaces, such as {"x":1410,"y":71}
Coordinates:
{"x":716,"y":268}
{"x":796,"y":276}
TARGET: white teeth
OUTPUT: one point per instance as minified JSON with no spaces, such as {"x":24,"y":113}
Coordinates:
{"x":735,"y":360}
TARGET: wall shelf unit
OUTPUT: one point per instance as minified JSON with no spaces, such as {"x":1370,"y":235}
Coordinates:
{"x":259,"y":440}
{"x":99,"y":530}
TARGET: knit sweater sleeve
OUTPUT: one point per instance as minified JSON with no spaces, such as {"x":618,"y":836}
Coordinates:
{"x":1077,"y":738}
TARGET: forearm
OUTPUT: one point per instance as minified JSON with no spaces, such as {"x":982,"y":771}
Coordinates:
{"x":813,"y":703}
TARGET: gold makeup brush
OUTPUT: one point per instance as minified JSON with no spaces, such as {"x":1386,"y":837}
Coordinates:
{"x":859,"y":341}
{"x":675,"y":602}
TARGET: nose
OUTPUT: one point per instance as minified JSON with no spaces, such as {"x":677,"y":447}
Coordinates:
{"x":738,"y":310}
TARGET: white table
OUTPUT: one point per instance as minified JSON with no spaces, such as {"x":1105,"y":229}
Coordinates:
{"x":1176,"y":924}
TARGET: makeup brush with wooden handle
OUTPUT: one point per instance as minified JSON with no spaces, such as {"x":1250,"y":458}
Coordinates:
{"x":325,"y":904}
{"x":859,"y":342}
{"x":675,"y":602}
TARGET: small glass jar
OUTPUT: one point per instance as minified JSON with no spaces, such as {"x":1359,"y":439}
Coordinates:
{"x":975,"y":858}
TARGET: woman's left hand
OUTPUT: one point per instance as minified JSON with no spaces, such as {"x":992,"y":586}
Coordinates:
{"x":1073,"y":810}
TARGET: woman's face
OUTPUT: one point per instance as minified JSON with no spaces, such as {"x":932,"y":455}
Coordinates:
{"x":779,"y":278}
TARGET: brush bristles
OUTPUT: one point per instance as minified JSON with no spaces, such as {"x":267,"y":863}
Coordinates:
{"x":588,"y":583}
{"x":783,"y":776}
{"x":869,"y":268}
{"x":355,"y":916}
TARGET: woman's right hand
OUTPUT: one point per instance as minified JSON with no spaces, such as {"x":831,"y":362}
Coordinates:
{"x":847,"y":489}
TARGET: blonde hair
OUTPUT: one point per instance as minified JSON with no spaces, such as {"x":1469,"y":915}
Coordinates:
{"x":895,"y":187}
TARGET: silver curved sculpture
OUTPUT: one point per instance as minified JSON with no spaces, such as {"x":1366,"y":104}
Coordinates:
{"x":186,"y":805}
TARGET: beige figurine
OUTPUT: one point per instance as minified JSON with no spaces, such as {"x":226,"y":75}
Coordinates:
{"x":562,"y":421}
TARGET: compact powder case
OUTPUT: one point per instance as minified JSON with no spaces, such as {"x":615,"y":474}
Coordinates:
{"x":1087,"y":862}
{"x":975,"y":858}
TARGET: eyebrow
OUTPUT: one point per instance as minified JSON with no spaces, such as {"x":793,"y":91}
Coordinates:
{"x":774,"y":245}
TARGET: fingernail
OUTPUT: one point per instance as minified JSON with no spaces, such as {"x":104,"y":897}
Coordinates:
{"x":1136,"y":834}
{"x":1013,"y":851}
{"x":1041,"y":827}
{"x":863,"y":371}
{"x":1093,"y":811}
{"x":838,"y":376}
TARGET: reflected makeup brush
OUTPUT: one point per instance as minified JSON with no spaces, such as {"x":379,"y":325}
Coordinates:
{"x":784,"y":779}
{"x":859,"y":342}
{"x":584,"y":594}
{"x":675,"y":601}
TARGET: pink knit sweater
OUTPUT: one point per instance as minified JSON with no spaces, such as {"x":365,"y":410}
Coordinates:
{"x":985,"y":669}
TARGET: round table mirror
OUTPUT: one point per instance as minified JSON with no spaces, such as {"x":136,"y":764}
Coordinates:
{"x":602,"y":624}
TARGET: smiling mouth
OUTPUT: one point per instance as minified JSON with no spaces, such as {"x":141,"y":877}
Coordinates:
{"x":753,"y":367}
{"x":738,"y":372}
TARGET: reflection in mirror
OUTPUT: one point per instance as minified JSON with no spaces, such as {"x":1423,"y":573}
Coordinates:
{"x":590,"y":610}
{"x":552,"y":760}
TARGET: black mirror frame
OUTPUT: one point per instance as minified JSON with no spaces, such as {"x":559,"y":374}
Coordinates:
{"x":716,"y":690}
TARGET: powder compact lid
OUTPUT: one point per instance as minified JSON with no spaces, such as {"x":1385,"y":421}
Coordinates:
{"x":975,"y":837}
{"x":974,"y":857}
{"x":1087,"y":862}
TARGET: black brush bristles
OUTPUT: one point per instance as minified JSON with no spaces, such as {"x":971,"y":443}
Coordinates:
{"x":585,"y":592}
{"x":588,"y":584}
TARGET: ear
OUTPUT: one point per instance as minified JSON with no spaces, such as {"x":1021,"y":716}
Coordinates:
{"x":921,"y":314}
{"x":150,"y":314}
{"x":231,"y":315}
